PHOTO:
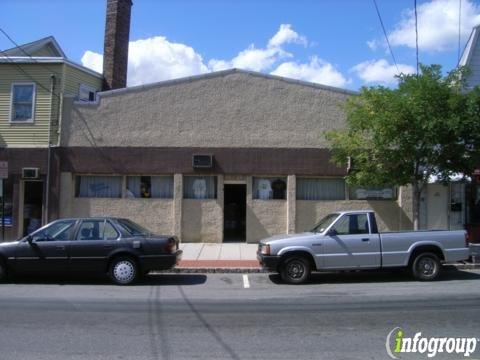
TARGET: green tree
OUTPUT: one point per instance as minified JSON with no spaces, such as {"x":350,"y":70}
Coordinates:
{"x":428,"y":126}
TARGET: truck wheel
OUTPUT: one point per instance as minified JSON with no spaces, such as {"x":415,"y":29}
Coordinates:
{"x":426,"y":267}
{"x":123,"y":270}
{"x":295,"y":270}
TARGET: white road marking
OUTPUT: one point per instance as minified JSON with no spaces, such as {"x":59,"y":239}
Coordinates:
{"x":246,"y":283}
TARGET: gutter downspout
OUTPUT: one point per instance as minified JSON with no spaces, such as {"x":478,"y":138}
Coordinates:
{"x":49,"y":152}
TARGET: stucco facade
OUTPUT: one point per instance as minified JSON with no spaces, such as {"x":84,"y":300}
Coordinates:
{"x":255,"y":127}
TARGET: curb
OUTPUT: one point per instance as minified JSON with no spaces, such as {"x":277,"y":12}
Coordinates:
{"x":250,"y":270}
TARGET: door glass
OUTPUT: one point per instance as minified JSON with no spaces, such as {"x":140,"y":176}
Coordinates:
{"x":58,"y":231}
{"x":109,"y":233}
{"x":90,"y":230}
{"x":352,"y":224}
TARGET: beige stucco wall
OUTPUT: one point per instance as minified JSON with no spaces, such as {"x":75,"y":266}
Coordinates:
{"x":232,"y":109}
{"x":202,"y":221}
{"x":390,"y":215}
{"x":155,"y":214}
{"x":266,"y":218}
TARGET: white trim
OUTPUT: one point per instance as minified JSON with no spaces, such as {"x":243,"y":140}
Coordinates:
{"x":88,"y":89}
{"x":34,"y":97}
{"x":47,"y":60}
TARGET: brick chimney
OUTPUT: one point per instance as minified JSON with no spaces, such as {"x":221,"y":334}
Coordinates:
{"x":115,"y":50}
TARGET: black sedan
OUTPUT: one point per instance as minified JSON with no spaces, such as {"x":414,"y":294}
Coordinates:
{"x":118,"y":247}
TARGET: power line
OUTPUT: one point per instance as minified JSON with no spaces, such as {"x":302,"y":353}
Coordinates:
{"x":23,"y":51}
{"x":416,"y":33}
{"x":459,"y":26}
{"x":386,"y":37}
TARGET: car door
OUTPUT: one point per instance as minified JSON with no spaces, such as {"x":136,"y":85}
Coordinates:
{"x":351,"y":244}
{"x":95,"y":239}
{"x":46,"y":250}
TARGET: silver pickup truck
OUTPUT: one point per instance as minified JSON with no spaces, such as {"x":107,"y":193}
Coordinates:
{"x":350,"y":240}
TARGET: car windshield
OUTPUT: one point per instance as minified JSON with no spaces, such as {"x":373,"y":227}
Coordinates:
{"x":324,"y":223}
{"x":132,"y":228}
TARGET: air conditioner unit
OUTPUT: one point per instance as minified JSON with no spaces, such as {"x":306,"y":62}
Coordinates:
{"x":202,"y":161}
{"x":30,"y":173}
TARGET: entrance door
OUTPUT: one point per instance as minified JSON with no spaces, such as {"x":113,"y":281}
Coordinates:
{"x":235,"y":212}
{"x":32,"y":206}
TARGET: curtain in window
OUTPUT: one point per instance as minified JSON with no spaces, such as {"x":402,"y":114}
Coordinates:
{"x":200,"y":187}
{"x":100,"y":186}
{"x":320,"y":189}
{"x":22,"y":102}
{"x":162,"y":187}
{"x":133,"y":186}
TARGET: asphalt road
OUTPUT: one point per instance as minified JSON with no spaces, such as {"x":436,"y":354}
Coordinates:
{"x":215,"y":316}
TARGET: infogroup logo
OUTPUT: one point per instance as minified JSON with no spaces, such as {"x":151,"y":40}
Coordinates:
{"x":397,"y":343}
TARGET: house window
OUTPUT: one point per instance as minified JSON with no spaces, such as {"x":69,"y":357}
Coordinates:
{"x":23,"y":103}
{"x":320,"y":189}
{"x":373,"y":193}
{"x":160,"y":187}
{"x":271,"y":188}
{"x":86,"y":93}
{"x":200,"y":187}
{"x":99,"y":186}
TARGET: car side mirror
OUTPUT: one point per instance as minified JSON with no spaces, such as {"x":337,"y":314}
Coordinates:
{"x":332,"y":232}
{"x":29,"y":239}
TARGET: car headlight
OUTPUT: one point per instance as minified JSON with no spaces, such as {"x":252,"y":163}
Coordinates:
{"x":265,"y":249}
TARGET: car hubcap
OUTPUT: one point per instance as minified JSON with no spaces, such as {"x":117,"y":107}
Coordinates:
{"x":124,"y":271}
{"x":427,"y":266}
{"x":295,"y":270}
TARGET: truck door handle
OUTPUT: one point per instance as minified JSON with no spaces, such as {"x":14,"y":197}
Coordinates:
{"x":60,"y":247}
{"x":107,"y":246}
{"x":365,"y":239}
{"x":317,"y":244}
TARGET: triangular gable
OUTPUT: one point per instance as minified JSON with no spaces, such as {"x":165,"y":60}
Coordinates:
{"x":46,"y":47}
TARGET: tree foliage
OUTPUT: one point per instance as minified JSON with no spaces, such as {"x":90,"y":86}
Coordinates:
{"x":428,"y":126}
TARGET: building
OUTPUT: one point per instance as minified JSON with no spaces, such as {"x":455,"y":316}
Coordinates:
{"x":144,"y":153}
{"x":35,"y":77}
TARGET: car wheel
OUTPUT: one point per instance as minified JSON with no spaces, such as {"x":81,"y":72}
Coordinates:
{"x":295,"y":270}
{"x":426,"y":267}
{"x":123,"y":271}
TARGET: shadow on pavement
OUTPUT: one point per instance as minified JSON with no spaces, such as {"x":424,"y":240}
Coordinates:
{"x":398,"y":275}
{"x":148,"y":280}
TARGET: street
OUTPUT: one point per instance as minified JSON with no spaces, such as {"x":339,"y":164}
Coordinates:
{"x":232,"y":316}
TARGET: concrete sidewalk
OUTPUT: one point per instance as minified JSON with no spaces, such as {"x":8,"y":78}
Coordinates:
{"x":219,"y":256}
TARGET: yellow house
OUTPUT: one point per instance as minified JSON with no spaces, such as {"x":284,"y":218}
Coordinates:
{"x":34,"y":79}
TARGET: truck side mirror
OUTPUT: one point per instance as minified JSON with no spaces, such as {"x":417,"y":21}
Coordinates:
{"x":332,"y":232}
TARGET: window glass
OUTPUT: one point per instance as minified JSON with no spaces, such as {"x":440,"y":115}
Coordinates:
{"x":109,"y":232}
{"x":22,"y":102}
{"x":8,"y":216}
{"x":269,"y":188}
{"x":58,"y":231}
{"x":160,"y":187}
{"x":132,"y":229}
{"x":320,"y":189}
{"x":373,"y":193}
{"x":86,"y":93}
{"x":90,"y":230}
{"x":200,"y":187}
{"x":352,"y":224}
{"x":99,"y":186}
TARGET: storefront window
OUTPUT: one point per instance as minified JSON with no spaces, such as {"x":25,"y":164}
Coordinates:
{"x":8,"y":215}
{"x":270,"y":188}
{"x":99,"y":186}
{"x":320,"y":189}
{"x":200,"y":187}
{"x":373,"y":193}
{"x":160,"y":187}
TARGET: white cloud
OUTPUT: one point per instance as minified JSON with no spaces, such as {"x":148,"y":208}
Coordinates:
{"x":380,"y":71}
{"x":93,"y":61}
{"x":437,"y":25}
{"x":154,"y":59}
{"x":286,"y":35}
{"x":317,"y":70}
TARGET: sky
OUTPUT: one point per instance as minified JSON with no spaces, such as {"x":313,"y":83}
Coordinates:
{"x":332,"y":42}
